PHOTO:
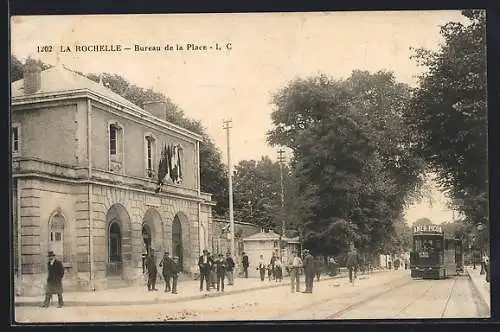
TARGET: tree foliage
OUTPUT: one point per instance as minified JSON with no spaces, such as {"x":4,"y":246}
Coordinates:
{"x":213,"y":172}
{"x":448,"y":114}
{"x":352,"y":164}
{"x":257,"y":194}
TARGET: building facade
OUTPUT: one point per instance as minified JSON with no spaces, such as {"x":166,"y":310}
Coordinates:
{"x":84,"y":167}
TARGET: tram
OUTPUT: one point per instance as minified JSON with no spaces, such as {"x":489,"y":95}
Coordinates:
{"x":435,"y":254}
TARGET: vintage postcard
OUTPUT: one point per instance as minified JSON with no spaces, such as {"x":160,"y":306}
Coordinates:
{"x":249,"y":166}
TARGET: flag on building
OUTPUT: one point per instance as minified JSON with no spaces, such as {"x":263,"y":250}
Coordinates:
{"x":163,"y":168}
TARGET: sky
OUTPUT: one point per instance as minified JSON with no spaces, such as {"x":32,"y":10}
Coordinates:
{"x":267,"y":51}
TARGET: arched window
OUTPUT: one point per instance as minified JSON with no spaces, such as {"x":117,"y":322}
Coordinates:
{"x":58,"y":241}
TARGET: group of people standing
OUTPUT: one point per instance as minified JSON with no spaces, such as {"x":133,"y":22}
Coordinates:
{"x":214,"y":269}
{"x":274,"y":269}
{"x":170,"y":271}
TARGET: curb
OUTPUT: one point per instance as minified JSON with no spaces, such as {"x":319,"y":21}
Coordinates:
{"x":483,"y":301}
{"x":169,"y":300}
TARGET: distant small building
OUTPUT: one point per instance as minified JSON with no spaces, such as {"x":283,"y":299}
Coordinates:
{"x":262,"y":243}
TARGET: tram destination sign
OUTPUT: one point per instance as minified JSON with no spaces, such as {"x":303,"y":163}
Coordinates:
{"x":428,"y":229}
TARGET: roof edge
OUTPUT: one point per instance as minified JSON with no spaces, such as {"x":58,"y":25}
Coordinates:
{"x":137,"y":111}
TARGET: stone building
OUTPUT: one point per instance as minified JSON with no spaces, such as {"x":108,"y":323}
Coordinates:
{"x":84,"y":168}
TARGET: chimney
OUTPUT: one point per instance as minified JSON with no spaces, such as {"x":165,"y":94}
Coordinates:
{"x":32,"y":75}
{"x":157,"y":108}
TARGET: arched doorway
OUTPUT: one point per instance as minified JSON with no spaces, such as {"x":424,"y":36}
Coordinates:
{"x":114,"y":248}
{"x":118,"y":240}
{"x":152,"y":235}
{"x":147,"y":237}
{"x":177,"y":239}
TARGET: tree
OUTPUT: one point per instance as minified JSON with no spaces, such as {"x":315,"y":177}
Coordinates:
{"x":16,"y":67}
{"x":213,"y":172}
{"x":422,"y":222}
{"x":401,"y":238}
{"x":352,"y":164}
{"x":448,"y":114}
{"x":257,"y":193}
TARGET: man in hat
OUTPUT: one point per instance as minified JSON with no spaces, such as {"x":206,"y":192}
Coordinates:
{"x":309,"y":270}
{"x":175,"y":269}
{"x":294,"y":265}
{"x":220,"y":270}
{"x":54,"y":280}
{"x":245,"y":263}
{"x":166,"y":263}
{"x":229,"y":268}
{"x":152,"y":271}
{"x":205,"y":265}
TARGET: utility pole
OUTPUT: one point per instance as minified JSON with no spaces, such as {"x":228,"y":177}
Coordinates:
{"x":281,"y":158}
{"x":227,"y":126}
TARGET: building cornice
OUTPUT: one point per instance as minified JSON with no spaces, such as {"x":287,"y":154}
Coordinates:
{"x":107,"y":184}
{"x":35,"y":167}
{"x":132,"y":111}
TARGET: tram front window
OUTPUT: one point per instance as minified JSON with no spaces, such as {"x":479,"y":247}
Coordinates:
{"x":426,"y":246}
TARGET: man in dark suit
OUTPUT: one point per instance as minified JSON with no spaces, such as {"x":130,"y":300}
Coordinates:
{"x":166,"y":263}
{"x":245,"y":264}
{"x":220,"y":268}
{"x":309,"y":270}
{"x":229,"y":268}
{"x":152,"y":271}
{"x":175,"y":270}
{"x":205,"y":265}
{"x":54,"y":280}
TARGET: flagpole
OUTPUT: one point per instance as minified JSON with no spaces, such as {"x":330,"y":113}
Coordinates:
{"x":227,"y":126}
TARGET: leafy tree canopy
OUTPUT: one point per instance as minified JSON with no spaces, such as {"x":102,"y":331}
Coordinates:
{"x":448,"y":114}
{"x":354,"y":170}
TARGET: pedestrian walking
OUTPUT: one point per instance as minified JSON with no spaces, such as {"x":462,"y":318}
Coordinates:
{"x":271,"y":267}
{"x":261,"y":268}
{"x":152,"y":271}
{"x":352,"y":263}
{"x":229,"y":269}
{"x":294,"y":266}
{"x":396,"y":264}
{"x":309,"y":270}
{"x":246,"y":264}
{"x":175,"y":270}
{"x":54,"y":280}
{"x":278,"y":270}
{"x":205,"y":265}
{"x":220,"y":269}
{"x":317,"y":267}
{"x":166,"y":263}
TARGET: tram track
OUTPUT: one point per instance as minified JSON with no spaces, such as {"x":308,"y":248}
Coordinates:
{"x":449,"y":296}
{"x":358,"y":304}
{"x":323,"y":301}
{"x":397,"y":287}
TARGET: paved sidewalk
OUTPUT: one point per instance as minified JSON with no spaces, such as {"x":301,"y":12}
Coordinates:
{"x":187,"y":291}
{"x":480,"y":284}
